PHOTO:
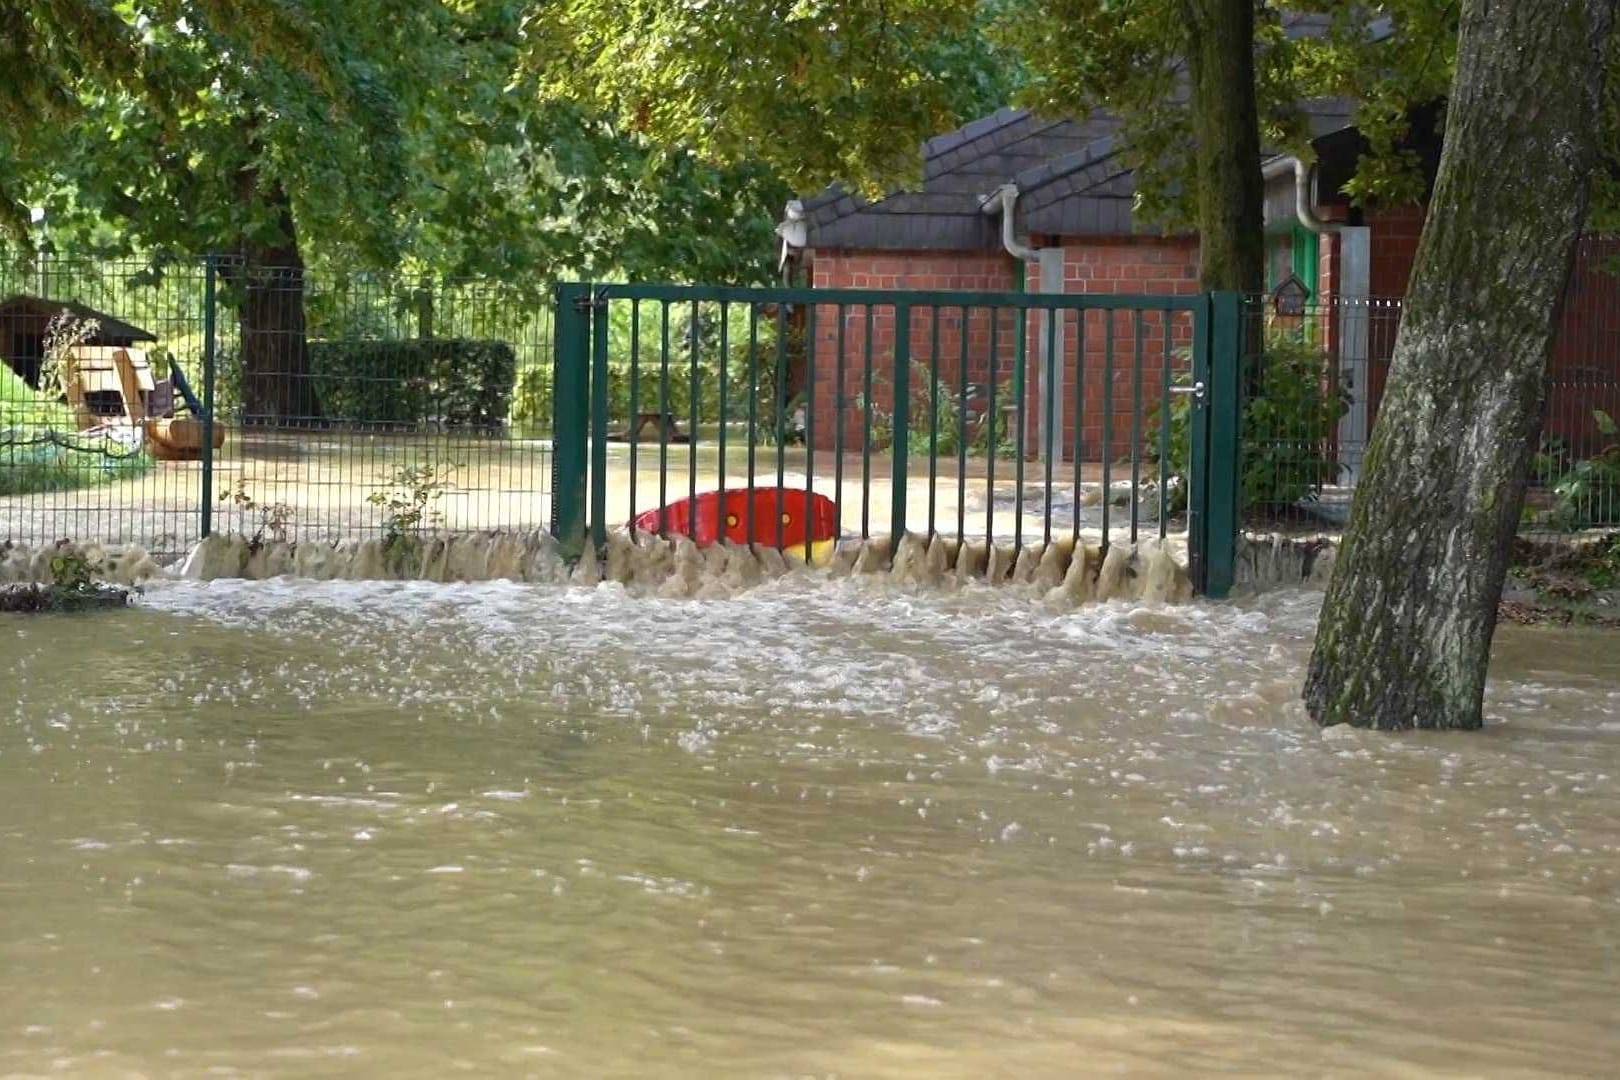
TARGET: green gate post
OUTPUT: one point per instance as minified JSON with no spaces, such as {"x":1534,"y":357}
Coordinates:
{"x":900,"y":442}
{"x":570,"y":417}
{"x":599,"y":418}
{"x":210,"y":362}
{"x":1216,"y":438}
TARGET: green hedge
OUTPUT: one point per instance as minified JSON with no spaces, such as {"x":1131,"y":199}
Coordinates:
{"x":458,"y":382}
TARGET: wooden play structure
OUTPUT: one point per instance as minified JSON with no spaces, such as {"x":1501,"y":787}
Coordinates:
{"x":113,"y":387}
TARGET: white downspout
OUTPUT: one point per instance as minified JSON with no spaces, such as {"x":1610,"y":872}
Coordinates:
{"x":1303,"y":208}
{"x":795,"y":234}
{"x":1005,"y":199}
{"x":1048,"y":372}
{"x":1353,"y":287}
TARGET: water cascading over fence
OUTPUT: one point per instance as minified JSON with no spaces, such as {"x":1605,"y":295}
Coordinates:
{"x":1002,"y":425}
{"x":364,"y":423}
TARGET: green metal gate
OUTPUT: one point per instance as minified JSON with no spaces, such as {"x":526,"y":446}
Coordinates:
{"x":1012,"y":417}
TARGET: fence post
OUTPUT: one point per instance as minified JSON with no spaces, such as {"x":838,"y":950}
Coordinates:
{"x":597,"y":305}
{"x":210,"y":363}
{"x":570,"y":417}
{"x":1217,"y":446}
{"x":900,"y":425}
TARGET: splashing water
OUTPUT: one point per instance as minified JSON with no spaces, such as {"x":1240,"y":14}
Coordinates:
{"x":858,"y":825}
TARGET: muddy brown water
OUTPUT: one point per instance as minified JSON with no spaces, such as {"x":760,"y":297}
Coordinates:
{"x":825,"y":828}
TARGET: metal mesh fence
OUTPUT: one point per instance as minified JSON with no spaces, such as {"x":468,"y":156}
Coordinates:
{"x":1317,"y":377}
{"x":78,"y":339}
{"x":344,"y":405}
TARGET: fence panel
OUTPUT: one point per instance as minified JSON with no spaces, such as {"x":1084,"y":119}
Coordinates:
{"x":344,"y":405}
{"x":1319,"y":377}
{"x":73,"y":464}
{"x":1016,"y":418}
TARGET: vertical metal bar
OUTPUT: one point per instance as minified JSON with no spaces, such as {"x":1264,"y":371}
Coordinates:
{"x":1020,"y":392}
{"x":809,"y":416}
{"x":866,"y":433}
{"x":962,"y":427}
{"x":1079,"y":415}
{"x":694,"y":391}
{"x":571,"y":417}
{"x":1108,"y":423}
{"x":933,"y":417}
{"x":724,"y":376}
{"x":1049,"y":402}
{"x":1164,"y":428}
{"x":753,"y":418}
{"x":779,"y":409}
{"x":839,"y":397}
{"x":1225,"y":408}
{"x":994,"y":420}
{"x":635,"y":402}
{"x":900,"y":447}
{"x":210,"y":358}
{"x":599,"y":418}
{"x":663,"y":419}
{"x":1136,"y":415}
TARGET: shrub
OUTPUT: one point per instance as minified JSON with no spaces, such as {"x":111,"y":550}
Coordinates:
{"x":452,"y":381}
{"x":1588,"y":492}
{"x":41,"y":450}
{"x":1288,"y":426}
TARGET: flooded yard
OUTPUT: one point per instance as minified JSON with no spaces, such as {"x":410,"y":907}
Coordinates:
{"x":824,"y":828}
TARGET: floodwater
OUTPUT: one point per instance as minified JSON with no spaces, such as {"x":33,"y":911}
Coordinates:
{"x":826,"y":828}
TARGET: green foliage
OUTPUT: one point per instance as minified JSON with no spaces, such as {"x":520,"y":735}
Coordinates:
{"x":270,"y":519}
{"x":983,"y":429}
{"x":63,"y":334}
{"x":72,"y":570}
{"x":407,"y":502}
{"x":1587,"y":493}
{"x":447,"y":381}
{"x":664,"y":381}
{"x":41,"y":451}
{"x":1288,"y":426}
{"x":870,"y":75}
{"x":21,"y":407}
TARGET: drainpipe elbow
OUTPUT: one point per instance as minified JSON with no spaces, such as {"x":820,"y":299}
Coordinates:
{"x":1004,"y":200}
{"x":1304,"y":205}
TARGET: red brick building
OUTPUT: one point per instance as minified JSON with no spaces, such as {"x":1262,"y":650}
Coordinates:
{"x":1017,"y":202}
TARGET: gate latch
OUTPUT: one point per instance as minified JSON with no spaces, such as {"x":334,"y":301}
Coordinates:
{"x":1196,"y":390}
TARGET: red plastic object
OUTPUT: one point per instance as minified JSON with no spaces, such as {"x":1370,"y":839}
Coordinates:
{"x":806,"y":517}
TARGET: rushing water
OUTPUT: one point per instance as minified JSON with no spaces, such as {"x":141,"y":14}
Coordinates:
{"x":820,"y":829}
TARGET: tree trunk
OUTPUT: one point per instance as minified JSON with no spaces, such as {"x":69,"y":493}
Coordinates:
{"x":1226,"y":134}
{"x":277,"y":390}
{"x":1406,"y":627}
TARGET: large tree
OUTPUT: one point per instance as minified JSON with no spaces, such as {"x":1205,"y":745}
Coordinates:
{"x":380,"y":135}
{"x":1406,"y":628}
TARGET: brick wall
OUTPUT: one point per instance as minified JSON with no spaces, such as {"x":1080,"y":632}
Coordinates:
{"x":947,"y":340}
{"x":842,"y":334}
{"x":1585,"y":371}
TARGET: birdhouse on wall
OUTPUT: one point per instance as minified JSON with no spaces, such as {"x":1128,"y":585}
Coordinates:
{"x":1289,"y":297}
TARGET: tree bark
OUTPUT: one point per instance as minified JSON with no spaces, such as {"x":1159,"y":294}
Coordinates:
{"x":1406,"y":626}
{"x":277,"y":390}
{"x":1226,"y":135}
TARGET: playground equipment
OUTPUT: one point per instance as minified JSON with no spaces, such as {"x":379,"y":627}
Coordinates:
{"x":113,"y":386}
{"x":801,"y":523}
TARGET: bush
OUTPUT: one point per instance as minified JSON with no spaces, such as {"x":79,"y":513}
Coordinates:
{"x":1588,"y":492}
{"x":41,"y":450}
{"x":452,"y":381}
{"x":533,"y":398}
{"x":1288,"y":426}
